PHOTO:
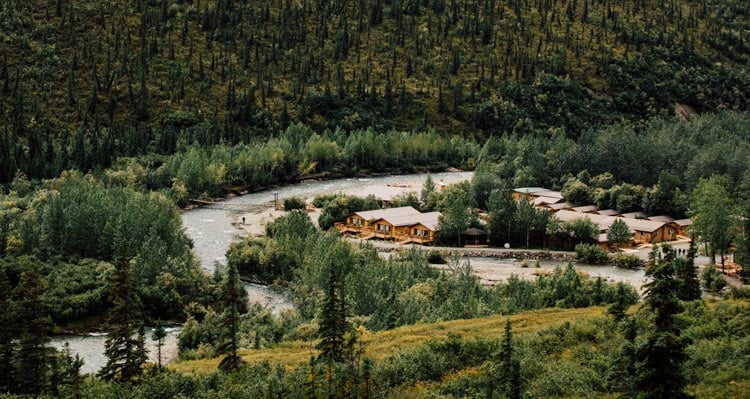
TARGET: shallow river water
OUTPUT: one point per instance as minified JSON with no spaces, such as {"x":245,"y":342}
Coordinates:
{"x":211,"y":230}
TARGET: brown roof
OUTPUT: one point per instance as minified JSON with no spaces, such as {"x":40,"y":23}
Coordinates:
{"x":605,"y":222}
{"x":601,"y":220}
{"x":585,"y":208}
{"x":429,"y":220}
{"x":634,"y":215}
{"x":546,"y":200}
{"x":683,"y":222}
{"x":662,"y":218}
{"x":607,"y":212}
{"x":383,"y":213}
{"x":474,"y":232}
{"x":643,"y":225}
{"x":560,"y":205}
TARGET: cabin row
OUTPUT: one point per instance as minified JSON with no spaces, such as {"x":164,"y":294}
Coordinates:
{"x":404,"y":225}
{"x":645,"y":229}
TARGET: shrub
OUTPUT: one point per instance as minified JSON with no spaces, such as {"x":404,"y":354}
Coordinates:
{"x":293,"y":203}
{"x":627,"y":261}
{"x":740,"y":293}
{"x":712,"y":279}
{"x":435,"y":257}
{"x":589,"y":253}
{"x":321,"y":200}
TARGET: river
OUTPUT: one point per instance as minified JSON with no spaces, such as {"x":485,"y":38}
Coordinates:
{"x":211,"y":230}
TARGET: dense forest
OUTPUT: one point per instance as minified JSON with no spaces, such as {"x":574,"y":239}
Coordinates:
{"x":84,"y":82}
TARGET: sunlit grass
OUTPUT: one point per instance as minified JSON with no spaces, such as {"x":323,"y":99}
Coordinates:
{"x":379,"y":345}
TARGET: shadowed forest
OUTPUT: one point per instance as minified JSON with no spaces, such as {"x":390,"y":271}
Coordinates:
{"x":84,"y":82}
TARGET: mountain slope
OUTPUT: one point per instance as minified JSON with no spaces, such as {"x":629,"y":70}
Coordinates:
{"x":232,"y":71}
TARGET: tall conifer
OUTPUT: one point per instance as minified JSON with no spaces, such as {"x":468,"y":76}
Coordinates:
{"x":125,"y":345}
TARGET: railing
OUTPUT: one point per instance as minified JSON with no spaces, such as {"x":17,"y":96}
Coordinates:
{"x":369,"y":232}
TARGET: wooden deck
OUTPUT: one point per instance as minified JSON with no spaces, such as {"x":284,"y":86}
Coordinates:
{"x":367,"y":233}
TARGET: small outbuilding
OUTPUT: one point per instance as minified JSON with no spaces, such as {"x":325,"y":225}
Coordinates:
{"x":474,"y":237}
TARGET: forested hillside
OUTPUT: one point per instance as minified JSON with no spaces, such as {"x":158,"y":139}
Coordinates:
{"x":84,"y":81}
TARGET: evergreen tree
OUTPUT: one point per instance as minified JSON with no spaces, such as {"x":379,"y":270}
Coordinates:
{"x":7,"y":333}
{"x":125,"y":345}
{"x":70,"y":373}
{"x":34,"y":326}
{"x":661,"y":291}
{"x":158,"y":335}
{"x":687,"y":276}
{"x":621,"y":302}
{"x":660,"y":357}
{"x":333,"y":325}
{"x":509,"y":366}
{"x":234,"y":301}
{"x":622,"y":376}
{"x":427,"y":194}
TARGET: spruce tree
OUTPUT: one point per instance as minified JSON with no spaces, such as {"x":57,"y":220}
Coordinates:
{"x":7,"y":332}
{"x":34,"y":325}
{"x":73,"y":379}
{"x":660,"y":356}
{"x":620,"y":304}
{"x":333,"y":324}
{"x":234,"y":301}
{"x":509,"y":366}
{"x":623,"y":372}
{"x":125,"y":345}
{"x":427,"y":194}
{"x":158,"y":335}
{"x":687,"y":276}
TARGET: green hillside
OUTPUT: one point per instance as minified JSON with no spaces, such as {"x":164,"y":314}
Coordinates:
{"x":126,"y":78}
{"x":563,"y":353}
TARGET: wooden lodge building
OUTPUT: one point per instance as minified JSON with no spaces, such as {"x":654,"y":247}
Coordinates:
{"x":646,"y":230}
{"x":404,"y":225}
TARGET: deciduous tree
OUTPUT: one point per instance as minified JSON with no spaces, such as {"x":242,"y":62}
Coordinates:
{"x":619,"y":233}
{"x":711,"y":207}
